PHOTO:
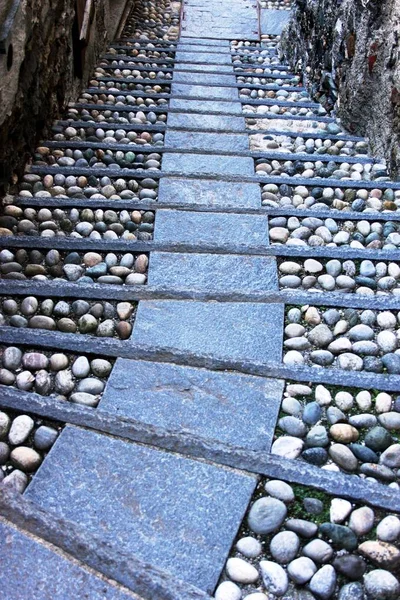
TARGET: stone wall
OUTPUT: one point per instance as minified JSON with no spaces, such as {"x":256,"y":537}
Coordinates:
{"x":349,"y":51}
{"x":38,"y":76}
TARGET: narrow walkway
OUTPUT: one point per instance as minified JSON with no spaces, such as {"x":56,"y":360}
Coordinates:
{"x":199,"y":286}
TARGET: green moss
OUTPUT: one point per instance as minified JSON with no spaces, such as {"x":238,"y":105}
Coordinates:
{"x":298,"y":511}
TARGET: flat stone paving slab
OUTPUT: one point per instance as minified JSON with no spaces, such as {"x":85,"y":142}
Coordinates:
{"x":34,"y":571}
{"x":206,"y":122}
{"x":219,"y":229}
{"x":272,"y":22}
{"x":204,"y":140}
{"x":201,"y":68}
{"x":237,"y":409}
{"x":204,"y":91}
{"x":204,"y":78}
{"x":206,"y":106}
{"x":192,"y":41}
{"x":223,"y":58}
{"x":234,"y":331}
{"x":206,"y":164}
{"x":213,"y":272}
{"x":204,"y":192}
{"x":178,"y":514}
{"x":233,"y":19}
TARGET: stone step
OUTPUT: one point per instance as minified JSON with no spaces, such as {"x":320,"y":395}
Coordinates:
{"x":206,"y":122}
{"x":222,"y":330}
{"x":229,"y":407}
{"x":204,"y":164}
{"x":222,"y":58}
{"x":220,"y":194}
{"x":223,"y":273}
{"x":183,"y":227}
{"x":207,"y":106}
{"x":38,"y":570}
{"x":178,"y":514}
{"x":198,"y":140}
{"x":203,"y":78}
{"x":204,"y":92}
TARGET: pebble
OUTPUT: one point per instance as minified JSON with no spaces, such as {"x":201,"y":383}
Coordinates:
{"x":241,"y":571}
{"x":381,"y":584}
{"x":274,"y":578}
{"x":266,"y":515}
{"x":301,"y":570}
{"x":279,"y":489}
{"x":284,"y":546}
{"x":323,"y":582}
{"x":249,"y":547}
{"x":228,"y":590}
{"x":20,"y":430}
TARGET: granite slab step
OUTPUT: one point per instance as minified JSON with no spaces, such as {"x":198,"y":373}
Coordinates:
{"x":222,"y":58}
{"x":206,"y":122}
{"x":192,"y":41}
{"x":222,"y":330}
{"x":219,"y":194}
{"x":229,"y":407}
{"x":203,"y":91}
{"x":272,"y":22}
{"x":218,"y":229}
{"x":176,"y":513}
{"x":35,"y":570}
{"x":217,"y":273}
{"x":206,"y":106}
{"x":200,"y":68}
{"x":205,"y":164}
{"x":199,"y":140}
{"x":204,"y":78}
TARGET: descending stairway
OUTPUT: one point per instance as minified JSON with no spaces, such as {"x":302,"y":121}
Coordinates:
{"x":160,"y":221}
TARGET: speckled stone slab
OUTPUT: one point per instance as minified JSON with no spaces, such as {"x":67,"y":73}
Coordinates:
{"x":237,"y":409}
{"x":272,"y":22}
{"x":204,"y":78}
{"x":227,"y":273}
{"x":183,"y":227}
{"x":32,"y":571}
{"x":204,"y":164}
{"x":207,"y":192}
{"x":206,"y":122}
{"x":176,"y":513}
{"x":204,"y":140}
{"x":206,"y":106}
{"x":225,"y":330}
{"x":223,"y":58}
{"x":204,"y":91}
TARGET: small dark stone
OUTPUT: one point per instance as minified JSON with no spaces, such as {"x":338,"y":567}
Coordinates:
{"x":350,"y":565}
{"x":331,"y":317}
{"x":72,"y":258}
{"x":363,"y":453}
{"x":351,"y":316}
{"x":352,"y":591}
{"x":396,"y":404}
{"x":373,"y":364}
{"x":378,"y":439}
{"x":312,"y":413}
{"x":315,"y":456}
{"x":392,"y":363}
{"x":358,"y":205}
{"x":341,"y":536}
{"x":323,"y":358}
{"x":313,"y":506}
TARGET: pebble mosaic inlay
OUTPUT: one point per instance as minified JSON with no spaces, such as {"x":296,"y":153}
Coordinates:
{"x":343,"y":338}
{"x":25,"y":441}
{"x":297,"y":543}
{"x":82,"y":267}
{"x":326,"y":170}
{"x":341,"y":429}
{"x":65,"y":376}
{"x":365,"y":277}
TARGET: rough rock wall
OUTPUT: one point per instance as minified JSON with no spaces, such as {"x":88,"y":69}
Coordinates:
{"x":42,"y":78}
{"x":349,"y":51}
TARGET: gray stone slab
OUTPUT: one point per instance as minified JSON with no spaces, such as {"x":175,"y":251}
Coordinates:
{"x":206,"y":122}
{"x":202,"y":68}
{"x":223,"y":58}
{"x":220,"y":194}
{"x":272,"y":22}
{"x":236,"y":331}
{"x":205,"y":140}
{"x":204,"y":91}
{"x":207,"y":164}
{"x":203,"y":78}
{"x":176,"y":513}
{"x":237,"y":409}
{"x":184,"y":227}
{"x":206,"y":106}
{"x":34,"y":571}
{"x":201,"y":42}
{"x":218,"y":273}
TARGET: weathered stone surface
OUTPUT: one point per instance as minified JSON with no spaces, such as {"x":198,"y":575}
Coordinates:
{"x":206,"y":328}
{"x":36,"y":571}
{"x":182,"y":227}
{"x":206,"y":106}
{"x":148,"y":500}
{"x":209,"y":193}
{"x":223,"y":58}
{"x":206,"y":122}
{"x":204,"y":91}
{"x":204,"y":164}
{"x":273,"y":21}
{"x":213,"y":272}
{"x":243,"y":408}
{"x":199,"y":140}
